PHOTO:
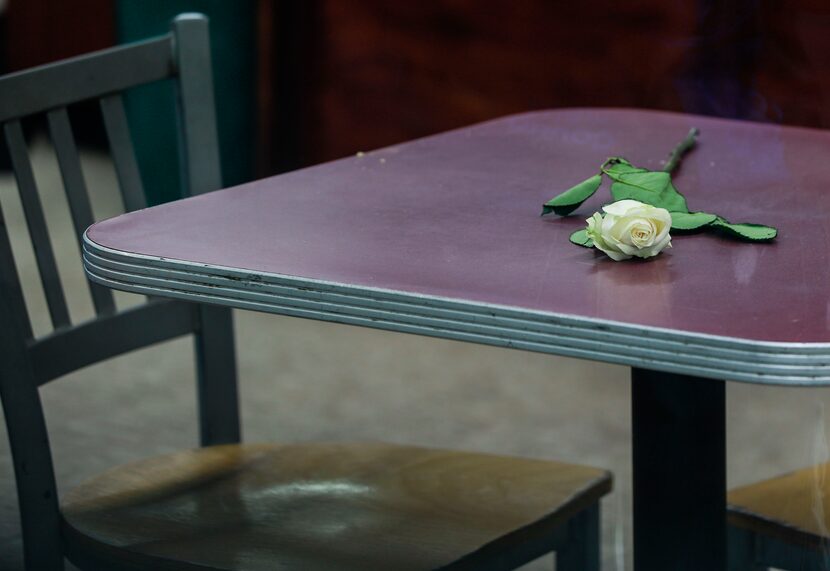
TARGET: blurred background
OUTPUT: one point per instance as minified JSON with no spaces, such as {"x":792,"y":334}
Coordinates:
{"x":301,"y":82}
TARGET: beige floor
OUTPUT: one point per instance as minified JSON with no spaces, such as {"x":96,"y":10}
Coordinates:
{"x":302,"y":380}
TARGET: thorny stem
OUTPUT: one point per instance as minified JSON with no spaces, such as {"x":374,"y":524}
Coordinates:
{"x":684,"y":147}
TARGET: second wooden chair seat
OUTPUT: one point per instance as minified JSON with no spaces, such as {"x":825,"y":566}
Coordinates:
{"x":794,"y":507}
{"x":782,"y":522}
{"x":322,"y":506}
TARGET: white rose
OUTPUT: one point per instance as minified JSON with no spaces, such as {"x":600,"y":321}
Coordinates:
{"x":630,"y":228}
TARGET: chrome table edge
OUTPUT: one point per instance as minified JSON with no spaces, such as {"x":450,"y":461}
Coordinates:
{"x":646,"y":347}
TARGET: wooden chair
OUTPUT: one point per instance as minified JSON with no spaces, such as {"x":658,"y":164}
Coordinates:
{"x":228,"y":505}
{"x":781,"y":522}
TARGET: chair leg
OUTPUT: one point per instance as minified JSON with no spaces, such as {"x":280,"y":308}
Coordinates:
{"x":775,"y":553}
{"x":581,"y":550}
{"x":749,"y":551}
{"x":742,"y":555}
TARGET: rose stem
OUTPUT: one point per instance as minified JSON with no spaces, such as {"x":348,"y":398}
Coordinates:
{"x":684,"y":147}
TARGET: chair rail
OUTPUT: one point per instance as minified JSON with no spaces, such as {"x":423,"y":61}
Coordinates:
{"x":85,"y":77}
{"x":65,"y":351}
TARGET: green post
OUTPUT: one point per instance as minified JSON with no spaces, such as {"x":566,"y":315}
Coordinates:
{"x":151,"y":109}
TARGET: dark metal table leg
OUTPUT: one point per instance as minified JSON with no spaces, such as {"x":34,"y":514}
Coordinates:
{"x":679,"y":456}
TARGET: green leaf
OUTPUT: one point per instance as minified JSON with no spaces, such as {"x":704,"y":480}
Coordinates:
{"x":616,"y":166}
{"x":570,"y":200}
{"x":746,"y":231}
{"x":651,"y":187}
{"x":691,"y":220}
{"x":580,"y":238}
{"x":674,"y":201}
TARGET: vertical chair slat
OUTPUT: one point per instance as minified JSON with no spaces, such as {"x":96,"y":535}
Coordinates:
{"x":201,"y":172}
{"x":29,"y":442}
{"x":199,"y":139}
{"x":123,"y":155}
{"x":76,"y":194}
{"x":37,"y":225}
{"x":10,"y":282}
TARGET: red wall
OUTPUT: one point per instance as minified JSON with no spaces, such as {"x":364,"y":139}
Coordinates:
{"x":378,"y":72}
{"x":340,"y":76}
{"x":40,"y":31}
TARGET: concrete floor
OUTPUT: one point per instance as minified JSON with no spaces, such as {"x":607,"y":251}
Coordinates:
{"x":304,"y":380}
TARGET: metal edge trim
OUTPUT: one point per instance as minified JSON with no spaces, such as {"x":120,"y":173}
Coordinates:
{"x":679,"y":352}
{"x":509,"y":327}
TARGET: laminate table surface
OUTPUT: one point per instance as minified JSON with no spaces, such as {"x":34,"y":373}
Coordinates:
{"x":442,"y":236}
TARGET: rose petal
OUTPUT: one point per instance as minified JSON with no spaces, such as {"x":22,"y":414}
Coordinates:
{"x":621,"y":246}
{"x":621,"y":207}
{"x":645,"y":228}
{"x":616,"y":256}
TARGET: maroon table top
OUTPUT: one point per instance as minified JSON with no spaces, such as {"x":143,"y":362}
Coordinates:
{"x":457,"y":216}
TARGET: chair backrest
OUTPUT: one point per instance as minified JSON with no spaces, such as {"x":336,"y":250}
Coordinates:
{"x":29,"y":361}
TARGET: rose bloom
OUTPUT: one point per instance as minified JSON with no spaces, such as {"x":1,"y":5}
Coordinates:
{"x":630,"y":228}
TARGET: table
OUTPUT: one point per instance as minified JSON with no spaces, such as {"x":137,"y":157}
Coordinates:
{"x":442,"y":237}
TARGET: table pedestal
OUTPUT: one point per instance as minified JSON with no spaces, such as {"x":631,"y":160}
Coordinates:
{"x":679,"y":457}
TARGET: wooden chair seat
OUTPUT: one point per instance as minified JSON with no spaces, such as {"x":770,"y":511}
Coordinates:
{"x":784,"y":507}
{"x":357,"y":506}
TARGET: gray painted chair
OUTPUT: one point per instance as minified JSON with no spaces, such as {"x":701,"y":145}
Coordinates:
{"x":227,"y":505}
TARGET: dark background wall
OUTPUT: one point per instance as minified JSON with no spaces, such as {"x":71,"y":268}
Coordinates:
{"x":339,"y":76}
{"x":378,"y":72}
